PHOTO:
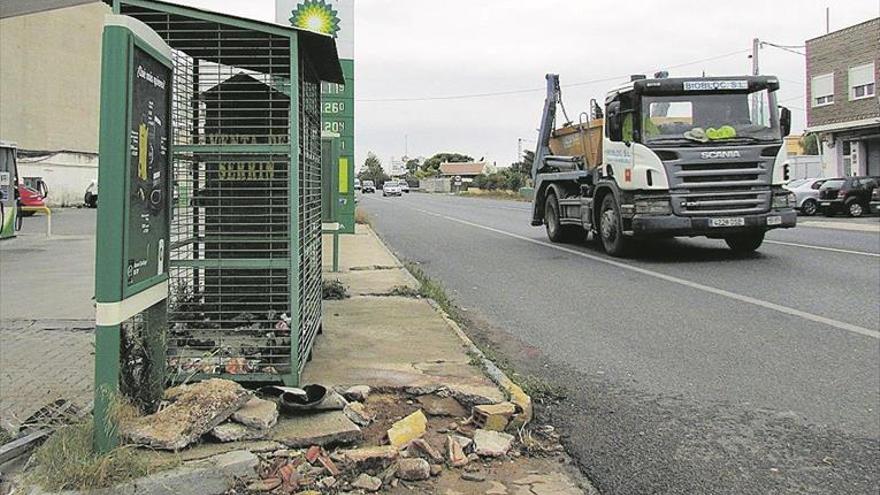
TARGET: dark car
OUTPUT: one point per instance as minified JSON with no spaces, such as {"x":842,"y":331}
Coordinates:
{"x":850,"y":195}
{"x":368,"y":187}
{"x":875,"y":201}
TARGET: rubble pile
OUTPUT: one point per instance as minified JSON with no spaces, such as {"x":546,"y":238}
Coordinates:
{"x":345,"y":440}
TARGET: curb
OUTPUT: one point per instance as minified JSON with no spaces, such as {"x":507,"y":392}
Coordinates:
{"x":514,"y":392}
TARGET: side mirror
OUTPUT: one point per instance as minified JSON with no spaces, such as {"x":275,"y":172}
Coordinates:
{"x":785,"y":121}
{"x":613,"y":121}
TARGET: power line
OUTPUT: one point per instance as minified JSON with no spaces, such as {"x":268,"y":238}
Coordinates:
{"x":535,"y":90}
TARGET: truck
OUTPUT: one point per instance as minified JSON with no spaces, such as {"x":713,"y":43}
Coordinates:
{"x":666,"y":157}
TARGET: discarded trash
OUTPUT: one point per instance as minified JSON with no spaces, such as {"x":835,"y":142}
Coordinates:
{"x":308,"y":398}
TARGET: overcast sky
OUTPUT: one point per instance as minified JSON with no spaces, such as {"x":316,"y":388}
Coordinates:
{"x":426,"y":49}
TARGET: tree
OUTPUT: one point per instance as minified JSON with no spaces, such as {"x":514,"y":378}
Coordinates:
{"x":431,"y":167}
{"x":412,"y":166}
{"x":810,"y":144}
{"x":372,"y":170}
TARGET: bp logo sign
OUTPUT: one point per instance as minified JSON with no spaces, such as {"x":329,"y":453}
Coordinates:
{"x":316,"y":15}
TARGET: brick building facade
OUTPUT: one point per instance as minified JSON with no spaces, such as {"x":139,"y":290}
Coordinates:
{"x":843,"y":68}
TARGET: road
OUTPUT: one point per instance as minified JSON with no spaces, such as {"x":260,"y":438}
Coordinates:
{"x":686,"y":369}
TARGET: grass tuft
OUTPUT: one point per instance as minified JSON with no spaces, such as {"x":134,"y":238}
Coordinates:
{"x":497,"y":194}
{"x":67,"y":462}
{"x":361,"y":217}
{"x":404,"y":291}
{"x":5,"y":436}
{"x":334,"y":290}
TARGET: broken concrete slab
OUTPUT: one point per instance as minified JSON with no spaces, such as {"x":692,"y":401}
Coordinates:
{"x":258,"y":414}
{"x":420,"y":448}
{"x":371,"y":457}
{"x":455,"y":453}
{"x":356,"y":412}
{"x":328,"y":428}
{"x":408,"y":429}
{"x":378,"y":282}
{"x":442,"y":406}
{"x":235,"y":432}
{"x":549,"y":484}
{"x":195,"y":410}
{"x":492,"y":443}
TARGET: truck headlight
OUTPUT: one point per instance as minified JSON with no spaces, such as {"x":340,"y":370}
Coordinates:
{"x":653,"y":207}
{"x":783,"y":200}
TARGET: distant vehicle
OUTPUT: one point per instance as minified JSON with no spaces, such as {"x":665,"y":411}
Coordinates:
{"x":368,"y":187}
{"x":391,"y":188}
{"x":91,"y":196}
{"x":357,"y":185}
{"x":806,"y":193}
{"x":404,"y":186}
{"x":851,"y":195}
{"x":32,"y":198}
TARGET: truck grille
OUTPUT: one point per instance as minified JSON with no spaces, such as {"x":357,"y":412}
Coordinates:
{"x":709,"y":188}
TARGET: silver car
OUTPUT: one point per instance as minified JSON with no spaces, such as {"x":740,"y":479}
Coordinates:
{"x":806,"y":192}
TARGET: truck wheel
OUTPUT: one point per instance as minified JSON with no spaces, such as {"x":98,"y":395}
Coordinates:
{"x":854,"y":208}
{"x":745,"y":243}
{"x":810,"y":207}
{"x":611,"y":228}
{"x":555,"y":230}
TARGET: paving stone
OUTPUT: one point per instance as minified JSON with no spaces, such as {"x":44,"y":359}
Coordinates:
{"x":408,"y":429}
{"x":329,"y":428}
{"x":497,"y":489}
{"x":413,"y":469}
{"x":257,"y":413}
{"x":492,"y":443}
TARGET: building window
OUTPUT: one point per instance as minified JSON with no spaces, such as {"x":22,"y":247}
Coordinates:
{"x":823,"y":90}
{"x":861,"y":82}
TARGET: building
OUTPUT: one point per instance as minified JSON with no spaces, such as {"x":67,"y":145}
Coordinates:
{"x":49,"y":90}
{"x":843,"y":106}
{"x":467,"y":171}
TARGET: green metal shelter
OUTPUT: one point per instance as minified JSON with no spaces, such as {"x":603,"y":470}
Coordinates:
{"x":245,"y":247}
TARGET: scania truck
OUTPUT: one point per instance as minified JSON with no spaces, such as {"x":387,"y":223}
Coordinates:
{"x":666,"y":157}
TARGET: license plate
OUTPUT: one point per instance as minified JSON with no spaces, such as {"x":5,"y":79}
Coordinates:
{"x":771,"y":221}
{"x":727,"y":222}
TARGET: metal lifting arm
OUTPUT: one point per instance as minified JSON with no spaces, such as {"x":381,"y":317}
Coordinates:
{"x":547,"y":121}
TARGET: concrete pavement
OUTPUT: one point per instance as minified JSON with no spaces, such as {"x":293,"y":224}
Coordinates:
{"x":686,"y":369}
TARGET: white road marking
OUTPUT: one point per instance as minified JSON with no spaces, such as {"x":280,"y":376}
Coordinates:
{"x":822,"y":248}
{"x":852,"y":227}
{"x":669,"y":278}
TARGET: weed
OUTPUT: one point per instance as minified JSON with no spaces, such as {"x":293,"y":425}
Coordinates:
{"x":404,"y":291}
{"x":361,"y":217}
{"x":5,"y":436}
{"x":431,"y":289}
{"x":497,"y":194}
{"x":334,"y":290}
{"x":67,"y":462}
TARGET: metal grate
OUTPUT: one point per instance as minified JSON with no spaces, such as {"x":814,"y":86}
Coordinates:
{"x":243,"y":241}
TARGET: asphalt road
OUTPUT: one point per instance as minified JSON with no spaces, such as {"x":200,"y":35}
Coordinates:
{"x":686,"y":369}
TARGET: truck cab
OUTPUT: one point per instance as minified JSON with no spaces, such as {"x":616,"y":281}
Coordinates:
{"x":680,"y":157}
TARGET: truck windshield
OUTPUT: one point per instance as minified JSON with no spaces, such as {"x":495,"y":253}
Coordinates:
{"x":706,"y":118}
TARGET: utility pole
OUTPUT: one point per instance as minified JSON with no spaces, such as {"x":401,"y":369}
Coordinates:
{"x":519,"y":153}
{"x":827,"y":20}
{"x":757,"y":104}
{"x":756,"y":46}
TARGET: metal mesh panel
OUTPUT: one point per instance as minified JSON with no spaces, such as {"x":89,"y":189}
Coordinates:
{"x":234,"y":224}
{"x":310,"y":208}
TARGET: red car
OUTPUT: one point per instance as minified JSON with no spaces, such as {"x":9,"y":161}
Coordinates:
{"x":31,"y":198}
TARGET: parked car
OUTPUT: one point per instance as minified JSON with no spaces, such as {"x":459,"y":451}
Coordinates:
{"x":357,"y":185}
{"x":91,"y":196}
{"x":875,"y":201}
{"x":404,"y":186}
{"x":806,"y":192}
{"x":368,"y":187}
{"x":30,"y":197}
{"x":391,"y":188}
{"x":851,"y":195}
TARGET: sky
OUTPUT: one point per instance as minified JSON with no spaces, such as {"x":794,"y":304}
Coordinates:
{"x":414,"y":57}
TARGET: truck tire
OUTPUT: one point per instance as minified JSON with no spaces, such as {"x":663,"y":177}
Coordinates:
{"x":745,"y":243}
{"x":611,"y":228}
{"x":557,"y":232}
